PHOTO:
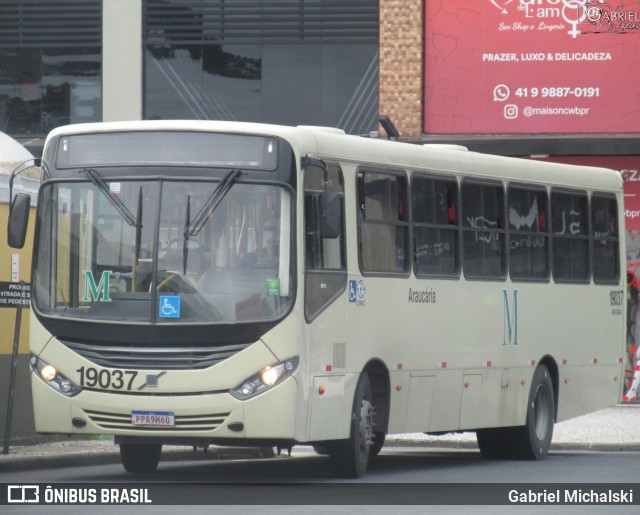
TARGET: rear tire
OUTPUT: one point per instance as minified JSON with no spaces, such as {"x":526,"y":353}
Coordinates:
{"x":140,"y":458}
{"x":349,"y":458}
{"x":533,"y":440}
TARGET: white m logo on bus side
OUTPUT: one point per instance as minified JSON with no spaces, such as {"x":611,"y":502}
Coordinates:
{"x":510,"y":319}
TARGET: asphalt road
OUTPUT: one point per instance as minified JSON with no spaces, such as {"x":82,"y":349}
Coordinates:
{"x":305,"y":478}
{"x":601,"y":448}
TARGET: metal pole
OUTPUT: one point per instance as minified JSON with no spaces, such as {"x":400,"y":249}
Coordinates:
{"x":12,"y":380}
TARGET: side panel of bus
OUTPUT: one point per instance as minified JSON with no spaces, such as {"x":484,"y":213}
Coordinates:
{"x":461,"y":353}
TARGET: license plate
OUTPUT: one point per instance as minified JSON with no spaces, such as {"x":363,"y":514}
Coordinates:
{"x":153,"y":418}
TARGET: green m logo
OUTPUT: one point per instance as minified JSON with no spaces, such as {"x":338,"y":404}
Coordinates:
{"x":510,"y":319}
{"x":99,"y":292}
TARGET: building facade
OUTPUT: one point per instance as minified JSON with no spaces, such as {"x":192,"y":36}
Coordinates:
{"x":432,"y":67}
{"x":292,"y":62}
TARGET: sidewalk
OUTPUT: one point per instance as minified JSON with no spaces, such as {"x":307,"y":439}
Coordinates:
{"x":613,"y":429}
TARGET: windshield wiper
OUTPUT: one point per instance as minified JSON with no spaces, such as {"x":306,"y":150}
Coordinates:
{"x":112,"y":197}
{"x":185,"y":240}
{"x":206,"y":211}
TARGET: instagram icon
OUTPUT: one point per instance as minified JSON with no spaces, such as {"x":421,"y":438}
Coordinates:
{"x":511,"y":111}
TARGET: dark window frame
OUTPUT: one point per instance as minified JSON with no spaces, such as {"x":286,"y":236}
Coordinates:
{"x":362,"y":221}
{"x":557,"y":238}
{"x":607,"y":238}
{"x":499,"y":230}
{"x":452,"y":226}
{"x":330,"y":281}
{"x":529,"y":233}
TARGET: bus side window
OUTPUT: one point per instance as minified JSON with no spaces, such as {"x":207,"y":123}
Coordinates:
{"x":528,"y":233}
{"x":569,"y":224}
{"x":435,"y":226}
{"x":483,"y":244}
{"x":383,"y":226}
{"x":604,"y":237}
{"x":325,"y":262}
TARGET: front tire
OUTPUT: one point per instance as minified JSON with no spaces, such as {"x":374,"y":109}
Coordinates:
{"x":349,"y":458}
{"x":140,"y":458}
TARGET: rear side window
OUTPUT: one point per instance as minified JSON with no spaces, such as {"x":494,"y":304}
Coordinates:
{"x":569,"y":224}
{"x":605,"y":239}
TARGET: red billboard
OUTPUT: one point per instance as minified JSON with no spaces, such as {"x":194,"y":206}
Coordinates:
{"x":531,"y":66}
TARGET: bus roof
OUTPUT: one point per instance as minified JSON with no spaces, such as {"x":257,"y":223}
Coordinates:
{"x":331,"y":143}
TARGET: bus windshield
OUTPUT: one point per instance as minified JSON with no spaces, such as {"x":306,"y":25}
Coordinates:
{"x":164,"y":251}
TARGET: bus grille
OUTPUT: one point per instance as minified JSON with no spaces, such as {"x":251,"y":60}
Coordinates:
{"x":163,"y":358}
{"x":208,"y":422}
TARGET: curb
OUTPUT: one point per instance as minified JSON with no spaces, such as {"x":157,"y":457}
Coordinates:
{"x":58,"y":460}
{"x":560,"y":446}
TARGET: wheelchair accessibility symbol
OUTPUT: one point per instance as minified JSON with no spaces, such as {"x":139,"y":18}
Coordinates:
{"x":169,"y":306}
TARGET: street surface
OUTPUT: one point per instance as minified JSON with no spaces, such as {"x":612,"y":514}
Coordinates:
{"x":395,"y":465}
{"x":599,"y":448}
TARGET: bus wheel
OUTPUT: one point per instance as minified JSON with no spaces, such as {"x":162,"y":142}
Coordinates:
{"x":349,"y":458}
{"x":531,"y":441}
{"x":140,"y":458}
{"x":534,"y":439}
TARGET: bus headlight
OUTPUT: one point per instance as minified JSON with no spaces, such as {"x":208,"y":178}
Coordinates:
{"x":53,"y":378}
{"x":264,"y":380}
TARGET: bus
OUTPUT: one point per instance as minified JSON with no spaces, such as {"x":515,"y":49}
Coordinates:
{"x":221,"y":283}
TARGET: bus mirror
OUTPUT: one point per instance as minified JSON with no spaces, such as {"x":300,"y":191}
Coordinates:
{"x":332,"y":215}
{"x":18,"y":220}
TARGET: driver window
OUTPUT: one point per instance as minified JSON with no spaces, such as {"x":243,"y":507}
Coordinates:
{"x":325,"y":262}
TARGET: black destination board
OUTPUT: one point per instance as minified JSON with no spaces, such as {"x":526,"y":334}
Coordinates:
{"x":15,"y":295}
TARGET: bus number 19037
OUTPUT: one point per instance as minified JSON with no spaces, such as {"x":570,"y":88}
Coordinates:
{"x":105,"y":379}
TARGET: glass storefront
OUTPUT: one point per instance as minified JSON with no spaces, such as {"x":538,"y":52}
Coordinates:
{"x":308,"y":63}
{"x":290,"y":62}
{"x":50,"y":65}
{"x":41,"y":89}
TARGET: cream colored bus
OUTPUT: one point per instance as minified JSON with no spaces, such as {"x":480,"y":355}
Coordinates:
{"x":223,"y":283}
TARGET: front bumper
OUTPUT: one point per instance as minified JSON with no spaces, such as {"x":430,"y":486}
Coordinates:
{"x":270,"y":415}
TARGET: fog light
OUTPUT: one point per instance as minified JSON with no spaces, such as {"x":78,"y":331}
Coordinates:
{"x":246,"y":389}
{"x":65,"y":386}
